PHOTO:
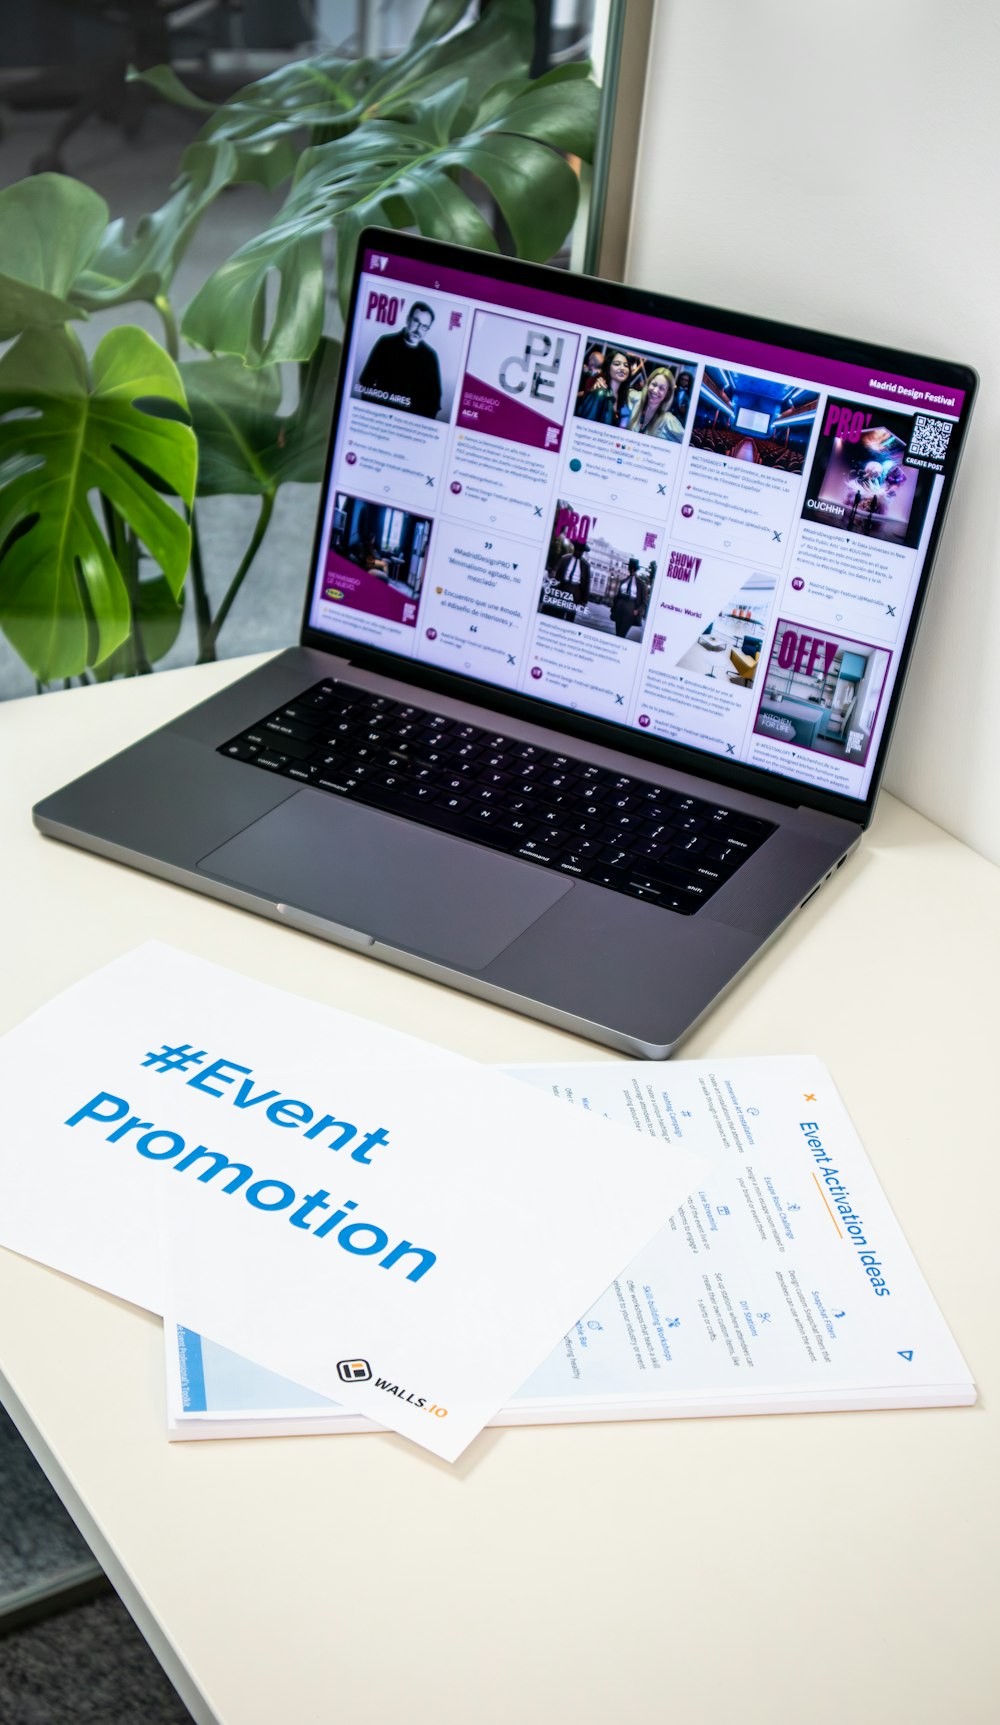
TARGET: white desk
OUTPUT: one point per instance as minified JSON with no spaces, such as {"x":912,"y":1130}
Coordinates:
{"x":798,"y":1570}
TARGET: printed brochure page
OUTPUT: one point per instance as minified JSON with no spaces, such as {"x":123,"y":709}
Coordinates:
{"x":782,"y":1283}
{"x":351,"y":1206}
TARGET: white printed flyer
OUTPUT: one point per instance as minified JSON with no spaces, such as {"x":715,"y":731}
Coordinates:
{"x":384,"y":1222}
{"x":783,"y":1283}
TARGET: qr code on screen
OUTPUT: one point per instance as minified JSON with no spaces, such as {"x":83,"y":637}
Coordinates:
{"x":930,"y":437}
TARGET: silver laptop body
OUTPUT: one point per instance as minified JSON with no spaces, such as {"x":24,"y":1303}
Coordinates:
{"x":697,"y":579}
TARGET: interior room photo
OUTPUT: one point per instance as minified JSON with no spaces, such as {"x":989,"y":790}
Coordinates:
{"x":730,"y":644}
{"x":830,"y":711}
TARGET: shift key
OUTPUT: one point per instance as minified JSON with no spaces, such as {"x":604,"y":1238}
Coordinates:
{"x":670,"y":880}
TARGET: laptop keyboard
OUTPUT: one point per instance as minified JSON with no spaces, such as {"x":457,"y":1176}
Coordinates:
{"x":611,"y":829}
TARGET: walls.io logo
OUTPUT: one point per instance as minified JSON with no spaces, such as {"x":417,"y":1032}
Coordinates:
{"x":353,"y":1371}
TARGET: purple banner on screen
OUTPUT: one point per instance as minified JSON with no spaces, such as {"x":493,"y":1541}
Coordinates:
{"x":483,"y":408}
{"x":664,"y":332}
{"x":363,"y":590}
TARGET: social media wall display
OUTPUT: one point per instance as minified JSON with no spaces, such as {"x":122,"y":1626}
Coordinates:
{"x":684,"y":532}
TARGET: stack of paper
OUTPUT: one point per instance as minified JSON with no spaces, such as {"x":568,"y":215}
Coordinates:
{"x":782,"y":1284}
{"x":398,"y":1236}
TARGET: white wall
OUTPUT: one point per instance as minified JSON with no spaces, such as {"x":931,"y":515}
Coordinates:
{"x":837,"y":166}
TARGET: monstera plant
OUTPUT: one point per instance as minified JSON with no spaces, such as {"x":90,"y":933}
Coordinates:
{"x":104,"y":455}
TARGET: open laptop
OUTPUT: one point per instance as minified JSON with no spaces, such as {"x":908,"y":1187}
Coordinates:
{"x":605,"y":630}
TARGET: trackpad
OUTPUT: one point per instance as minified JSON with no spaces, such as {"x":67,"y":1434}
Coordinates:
{"x":401,"y":883}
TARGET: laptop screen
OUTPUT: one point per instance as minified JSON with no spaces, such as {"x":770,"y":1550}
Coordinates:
{"x":683,"y":530}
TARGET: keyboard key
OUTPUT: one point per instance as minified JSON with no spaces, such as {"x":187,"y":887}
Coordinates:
{"x":576,"y":860}
{"x":599,"y":874}
{"x":643,"y":889}
{"x":665,"y":875}
{"x":289,"y":745}
{"x":535,"y":851}
{"x":282,"y":727}
{"x":299,"y":714}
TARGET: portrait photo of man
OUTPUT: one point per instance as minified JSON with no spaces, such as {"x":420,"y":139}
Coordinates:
{"x":402,"y":369}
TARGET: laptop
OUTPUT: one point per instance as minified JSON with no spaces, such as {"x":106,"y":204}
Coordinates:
{"x":605,"y":629}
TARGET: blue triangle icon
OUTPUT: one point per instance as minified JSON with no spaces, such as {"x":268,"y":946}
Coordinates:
{"x":905,"y":1353}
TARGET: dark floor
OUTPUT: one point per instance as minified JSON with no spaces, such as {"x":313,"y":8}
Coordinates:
{"x":85,"y":1666}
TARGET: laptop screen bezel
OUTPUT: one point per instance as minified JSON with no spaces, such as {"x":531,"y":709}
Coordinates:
{"x":701,"y":764}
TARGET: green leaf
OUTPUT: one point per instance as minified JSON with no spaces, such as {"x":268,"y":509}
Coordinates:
{"x":502,"y":36}
{"x":229,"y":313}
{"x":141,"y":268}
{"x":537,"y":191}
{"x":318,"y":92}
{"x":234,"y":413}
{"x":159,"y":623}
{"x":303,"y":457}
{"x":63,"y":600}
{"x":51,"y":227}
{"x":561,"y":109}
{"x":164,"y":80}
{"x":440,"y":79}
{"x":160,"y":615}
{"x":355,"y":180}
{"x":246,"y":447}
{"x":330,"y":97}
{"x":440,"y":17}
